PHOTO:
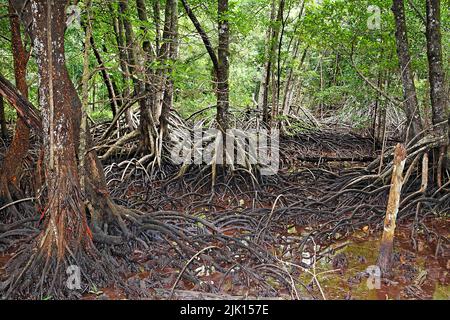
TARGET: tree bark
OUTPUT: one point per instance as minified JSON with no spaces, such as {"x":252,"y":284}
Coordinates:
{"x":288,"y":86}
{"x":25,"y":110}
{"x":202,"y":33}
{"x":3,"y":127}
{"x":123,"y":59}
{"x":276,"y":82}
{"x":411,"y":105}
{"x":65,"y":205}
{"x":145,"y":125}
{"x":158,"y":85}
{"x":273,"y":44}
{"x":172,"y":39}
{"x":263,"y":96}
{"x":387,"y":240}
{"x":107,"y":80}
{"x":156,"y":17}
{"x":220,"y":61}
{"x":222,"y":73}
{"x":12,"y":163}
{"x":66,"y":238}
{"x":150,"y":107}
{"x":439,"y":100}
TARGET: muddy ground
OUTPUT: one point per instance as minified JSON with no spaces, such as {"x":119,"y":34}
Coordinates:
{"x":334,"y":268}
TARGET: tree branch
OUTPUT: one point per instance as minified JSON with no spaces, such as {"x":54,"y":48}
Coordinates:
{"x":417,"y":11}
{"x":29,"y":114}
{"x":393,"y":100}
{"x":203,"y":35}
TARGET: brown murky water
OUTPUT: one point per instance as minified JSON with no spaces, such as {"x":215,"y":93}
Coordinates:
{"x":417,"y":274}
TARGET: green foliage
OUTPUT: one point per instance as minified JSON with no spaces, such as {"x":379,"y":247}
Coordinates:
{"x":10,"y":114}
{"x":330,"y":30}
{"x":101,"y":115}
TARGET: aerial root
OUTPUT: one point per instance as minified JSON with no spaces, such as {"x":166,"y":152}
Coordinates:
{"x":169,"y":223}
{"x":36,"y":271}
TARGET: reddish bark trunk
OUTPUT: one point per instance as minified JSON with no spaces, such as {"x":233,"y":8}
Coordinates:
{"x":12,"y":163}
{"x":3,"y":128}
{"x":20,"y":143}
{"x":66,"y":226}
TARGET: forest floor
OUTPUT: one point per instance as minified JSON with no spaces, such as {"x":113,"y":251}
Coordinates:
{"x":262,"y":233}
{"x":417,"y":275}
